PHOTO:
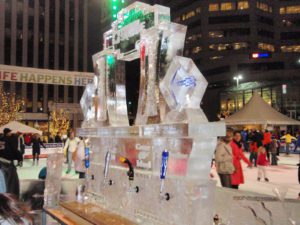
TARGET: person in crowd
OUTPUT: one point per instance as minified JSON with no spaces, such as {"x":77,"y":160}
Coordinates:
{"x":58,"y":138}
{"x":13,"y":212}
{"x":253,"y":152}
{"x":297,"y":144}
{"x":237,"y":177}
{"x":70,"y":149}
{"x":51,"y":139}
{"x":21,"y":148}
{"x":8,"y":146}
{"x":273,"y":151}
{"x":258,"y":138}
{"x":278,"y":146}
{"x":244,"y":134}
{"x":79,"y":159}
{"x":36,"y":149}
{"x":262,"y":163}
{"x":288,"y":140}
{"x":266,"y":142}
{"x":27,"y":139}
{"x":224,"y":161}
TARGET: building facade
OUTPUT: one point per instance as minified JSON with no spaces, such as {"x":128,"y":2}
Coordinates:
{"x":48,"y":34}
{"x":259,"y":40}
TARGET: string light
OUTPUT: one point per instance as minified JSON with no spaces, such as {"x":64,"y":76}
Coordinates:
{"x":116,"y":5}
{"x":60,"y":121}
{"x":10,"y":107}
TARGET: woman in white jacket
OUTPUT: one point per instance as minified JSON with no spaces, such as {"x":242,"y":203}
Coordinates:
{"x":80,"y":157}
{"x":71,"y":148}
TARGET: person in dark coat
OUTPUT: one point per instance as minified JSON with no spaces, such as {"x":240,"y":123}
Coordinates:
{"x":9,"y":146}
{"x":58,"y":138}
{"x":9,"y":153}
{"x":36,"y":148}
{"x":273,"y":151}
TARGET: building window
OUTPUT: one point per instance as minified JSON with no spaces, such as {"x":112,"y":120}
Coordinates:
{"x":243,"y":5}
{"x":193,"y":38}
{"x":216,"y":34}
{"x":228,"y":46}
{"x":213,"y":7}
{"x":188,"y":15}
{"x":61,"y":93}
{"x":40,"y":98}
{"x":70,"y":94}
{"x":293,"y":9}
{"x":264,"y":7}
{"x":229,"y":19}
{"x":216,"y":57}
{"x":262,"y":66}
{"x":29,"y":98}
{"x":240,"y":45}
{"x":198,"y":10}
{"x":227,"y":6}
{"x":196,"y":50}
{"x":290,"y":48}
{"x":50,"y":93}
{"x":290,"y":36}
{"x":265,"y":33}
{"x":265,"y":20}
{"x":282,"y":10}
{"x":266,"y":47}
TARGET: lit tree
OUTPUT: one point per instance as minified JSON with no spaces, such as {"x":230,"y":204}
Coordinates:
{"x":60,"y":121}
{"x":10,"y":107}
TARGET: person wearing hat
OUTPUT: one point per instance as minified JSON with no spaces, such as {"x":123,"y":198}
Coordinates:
{"x":8,"y":149}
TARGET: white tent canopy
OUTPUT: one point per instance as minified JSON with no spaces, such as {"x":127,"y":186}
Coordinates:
{"x":20,"y":127}
{"x":257,"y":111}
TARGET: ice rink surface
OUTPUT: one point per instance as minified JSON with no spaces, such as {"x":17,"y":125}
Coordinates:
{"x":285,"y":174}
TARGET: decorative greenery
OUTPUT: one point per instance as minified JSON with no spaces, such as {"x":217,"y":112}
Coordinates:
{"x":60,"y":121}
{"x":10,"y":107}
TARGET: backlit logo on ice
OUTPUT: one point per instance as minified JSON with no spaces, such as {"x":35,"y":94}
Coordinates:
{"x":187,"y":82}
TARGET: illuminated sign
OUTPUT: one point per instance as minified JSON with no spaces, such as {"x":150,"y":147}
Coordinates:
{"x":260,"y":55}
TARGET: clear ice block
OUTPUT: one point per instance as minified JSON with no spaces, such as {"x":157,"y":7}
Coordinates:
{"x":184,"y":85}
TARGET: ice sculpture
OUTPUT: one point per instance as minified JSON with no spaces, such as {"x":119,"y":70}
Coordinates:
{"x":183,"y":88}
{"x":140,"y":31}
{"x":156,"y":172}
{"x":53,"y":179}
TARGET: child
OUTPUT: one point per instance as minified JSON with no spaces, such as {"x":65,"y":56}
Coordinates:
{"x":262,"y":163}
{"x":273,"y":151}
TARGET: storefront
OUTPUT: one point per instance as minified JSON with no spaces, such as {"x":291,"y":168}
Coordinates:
{"x":284,"y":97}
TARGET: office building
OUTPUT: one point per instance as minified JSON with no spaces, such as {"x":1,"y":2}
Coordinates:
{"x":47,"y":34}
{"x":258,"y":40}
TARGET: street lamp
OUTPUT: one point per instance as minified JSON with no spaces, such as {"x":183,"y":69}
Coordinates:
{"x":238,"y":78}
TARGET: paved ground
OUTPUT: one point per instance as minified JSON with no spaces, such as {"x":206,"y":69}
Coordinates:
{"x":283,"y":175}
